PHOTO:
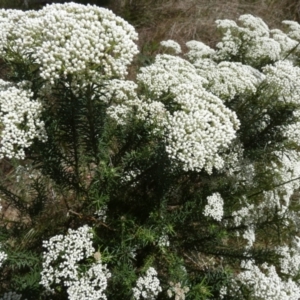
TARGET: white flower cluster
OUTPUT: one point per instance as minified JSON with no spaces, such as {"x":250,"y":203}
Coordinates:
{"x":264,"y":284}
{"x":102,"y":213}
{"x":285,"y":171}
{"x":288,"y":46}
{"x":3,"y":257}
{"x":71,"y":249}
{"x":87,"y":42}
{"x":199,"y":131}
{"x":19,"y":120}
{"x":11,"y":296}
{"x":125,"y":103}
{"x":198,"y":124}
{"x":148,"y":286}
{"x":195,"y":123}
{"x":214,"y":207}
{"x":255,"y":24}
{"x":249,"y":236}
{"x":293,"y":29}
{"x":198,"y":51}
{"x":163,"y":241}
{"x":290,"y":260}
{"x":235,"y":163}
{"x":250,"y":42}
{"x":230,"y":44}
{"x":174,"y":46}
{"x":131,"y":175}
{"x":178,"y":291}
{"x":282,"y":80}
{"x":166,"y":73}
{"x":292,"y":131}
{"x":91,"y":285}
{"x":245,"y":214}
{"x":61,"y":266}
{"x":8,"y":18}
{"x":117,"y":91}
{"x":229,"y":79}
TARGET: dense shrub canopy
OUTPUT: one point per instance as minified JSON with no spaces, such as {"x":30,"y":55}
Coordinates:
{"x":181,"y":182}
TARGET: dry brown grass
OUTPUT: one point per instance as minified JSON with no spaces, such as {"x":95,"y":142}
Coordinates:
{"x":184,"y":20}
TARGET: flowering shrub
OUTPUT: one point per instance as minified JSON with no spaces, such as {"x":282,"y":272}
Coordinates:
{"x":179,"y":183}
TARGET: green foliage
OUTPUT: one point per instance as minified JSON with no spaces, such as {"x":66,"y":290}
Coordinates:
{"x":200,"y":291}
{"x":23,"y":268}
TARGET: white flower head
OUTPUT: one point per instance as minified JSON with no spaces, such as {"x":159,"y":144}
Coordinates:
{"x":87,"y":43}
{"x":290,"y":259}
{"x":163,"y":240}
{"x":148,"y":286}
{"x":293,"y":29}
{"x":3,"y":257}
{"x":61,"y":265}
{"x":249,"y":236}
{"x":174,"y":46}
{"x":289,"y":47}
{"x":102,"y":213}
{"x":255,"y":24}
{"x":248,"y":42}
{"x":198,"y":50}
{"x":197,"y":124}
{"x":91,"y":285}
{"x":230,"y":79}
{"x":282,"y":80}
{"x":263,"y":282}
{"x":20,"y":120}
{"x":214,"y":207}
